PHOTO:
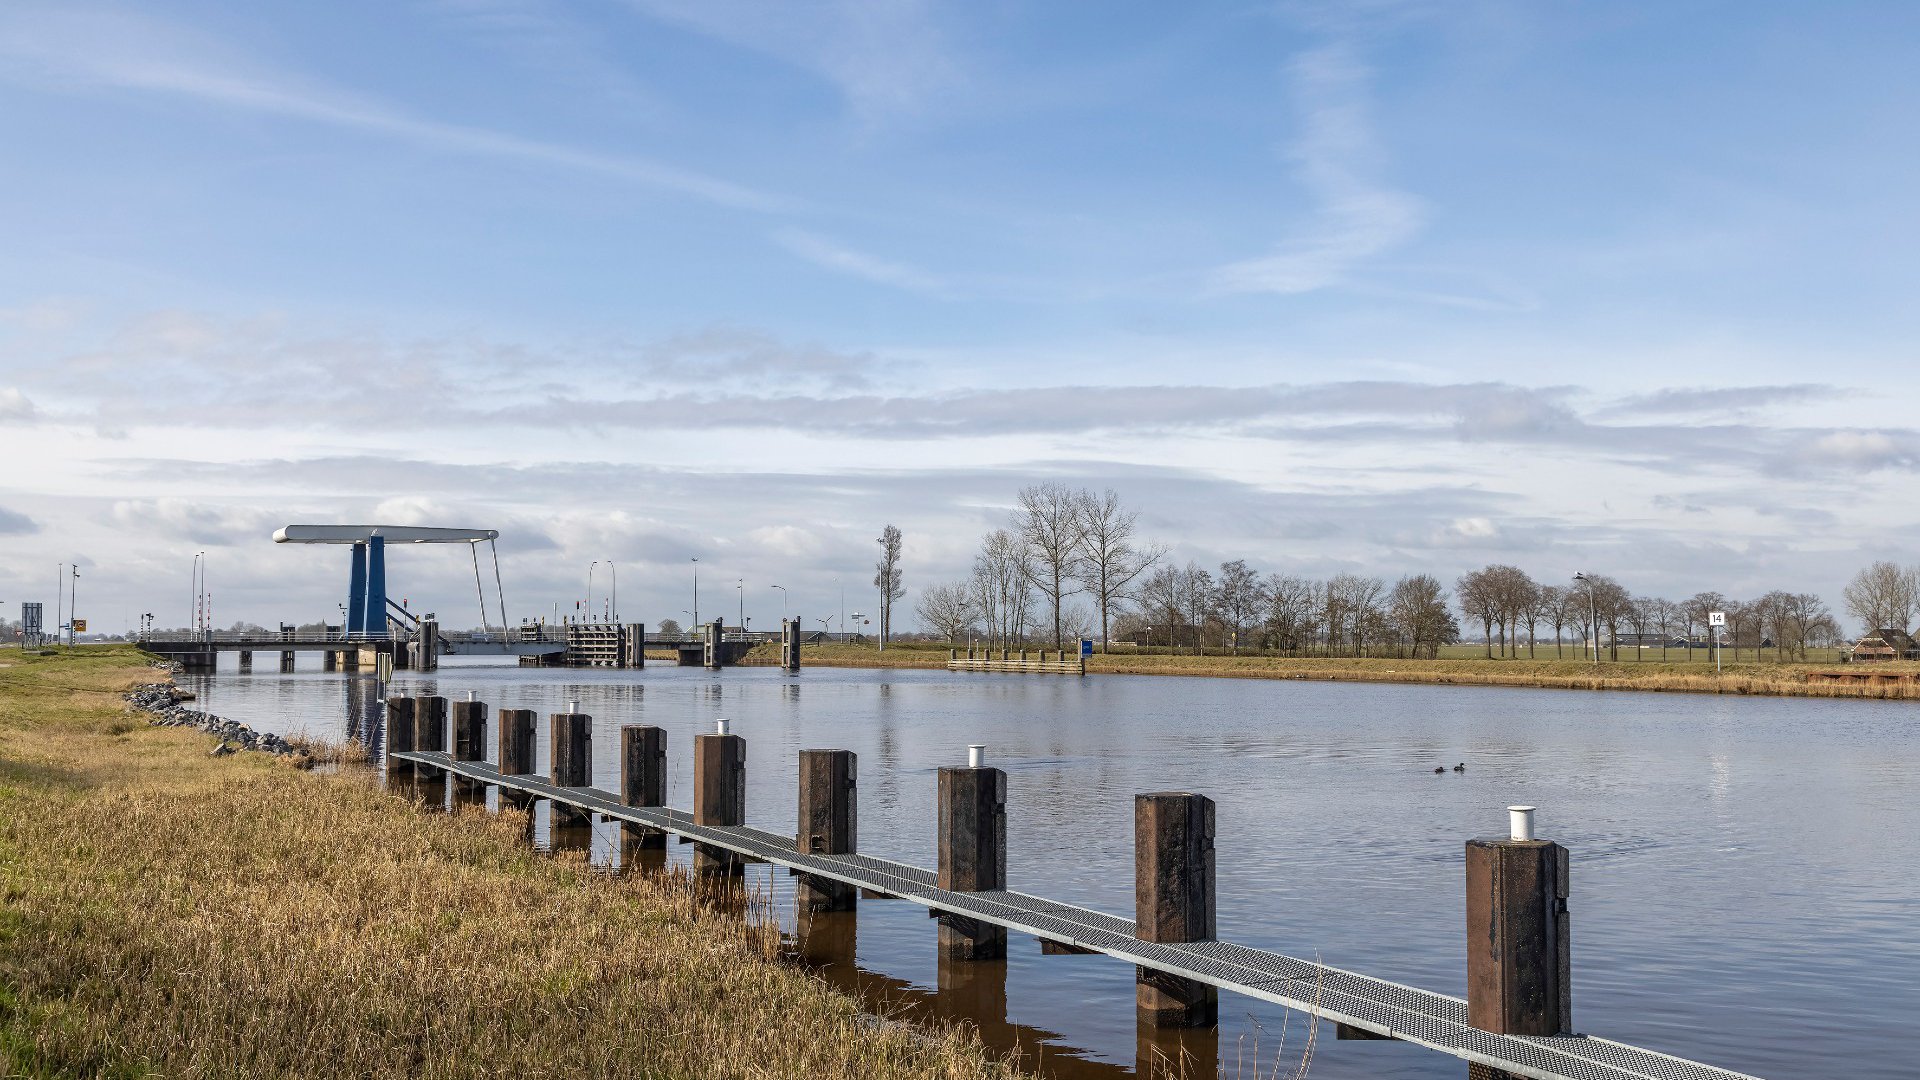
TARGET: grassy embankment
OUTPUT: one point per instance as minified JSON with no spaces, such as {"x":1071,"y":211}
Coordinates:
{"x":163,"y":912}
{"x":1768,"y":678}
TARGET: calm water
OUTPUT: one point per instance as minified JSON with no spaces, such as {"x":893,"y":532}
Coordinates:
{"x":1746,"y":872}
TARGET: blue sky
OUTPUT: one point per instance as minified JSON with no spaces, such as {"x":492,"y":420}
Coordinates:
{"x":1380,"y":286}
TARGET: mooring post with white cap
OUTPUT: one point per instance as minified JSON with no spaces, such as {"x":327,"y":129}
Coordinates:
{"x":1518,"y":970}
{"x":972,"y":840}
{"x":643,"y":778}
{"x":1173,"y":864}
{"x":470,"y":729}
{"x":570,"y":747}
{"x":829,"y":825}
{"x":719,"y":796}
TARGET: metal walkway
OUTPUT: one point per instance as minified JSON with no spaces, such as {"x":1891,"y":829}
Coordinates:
{"x":1435,"y":1021}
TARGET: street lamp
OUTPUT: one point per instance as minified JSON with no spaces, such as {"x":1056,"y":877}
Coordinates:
{"x":615,"y":599}
{"x":740,"y":585}
{"x":1593,"y":615}
{"x":587,"y":614}
{"x":695,"y":613}
{"x":783,"y":602}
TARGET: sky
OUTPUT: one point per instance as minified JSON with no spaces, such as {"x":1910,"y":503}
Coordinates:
{"x":1377,"y":287}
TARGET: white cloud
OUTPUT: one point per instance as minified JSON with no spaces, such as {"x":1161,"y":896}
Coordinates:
{"x":888,"y":58}
{"x":57,"y":48}
{"x":837,"y":257}
{"x":1355,"y":217}
{"x":17,"y":406}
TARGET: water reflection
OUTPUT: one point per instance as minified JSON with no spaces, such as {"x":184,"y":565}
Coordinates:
{"x":1794,"y":820}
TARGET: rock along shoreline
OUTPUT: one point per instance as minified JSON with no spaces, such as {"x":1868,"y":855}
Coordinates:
{"x":162,"y":704}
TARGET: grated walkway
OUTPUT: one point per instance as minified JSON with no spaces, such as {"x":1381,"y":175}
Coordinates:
{"x":1436,"y":1021}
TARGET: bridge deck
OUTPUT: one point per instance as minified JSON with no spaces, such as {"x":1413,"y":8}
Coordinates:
{"x":1432,"y":1020}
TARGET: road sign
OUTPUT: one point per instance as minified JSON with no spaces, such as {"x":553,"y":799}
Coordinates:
{"x":1086,"y":646}
{"x":79,"y":626}
{"x":1716,"y":618}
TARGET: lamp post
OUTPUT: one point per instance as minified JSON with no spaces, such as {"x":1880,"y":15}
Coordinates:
{"x":588,"y":612}
{"x":1593,"y":615}
{"x":615,"y":599}
{"x":696,"y":593}
{"x":73,"y":600}
{"x":783,"y":602}
{"x":740,"y":585}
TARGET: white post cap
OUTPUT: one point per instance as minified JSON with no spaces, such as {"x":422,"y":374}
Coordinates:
{"x":976,"y":755}
{"x":473,"y":695}
{"x":573,"y":706}
{"x":720,"y":727}
{"x":1520,"y":822}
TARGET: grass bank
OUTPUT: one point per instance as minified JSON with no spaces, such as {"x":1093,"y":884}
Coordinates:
{"x":1771,"y":679}
{"x":164,"y":912}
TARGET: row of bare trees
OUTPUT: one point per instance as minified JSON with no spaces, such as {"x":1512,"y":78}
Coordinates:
{"x":1059,"y":543}
{"x":1504,"y":601}
{"x":1190,"y":607}
{"x":1884,"y":596}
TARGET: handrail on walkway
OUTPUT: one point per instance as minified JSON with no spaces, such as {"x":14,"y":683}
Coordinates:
{"x":1516,"y":1020}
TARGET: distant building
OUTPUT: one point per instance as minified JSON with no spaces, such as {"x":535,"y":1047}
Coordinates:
{"x":1885,"y":644}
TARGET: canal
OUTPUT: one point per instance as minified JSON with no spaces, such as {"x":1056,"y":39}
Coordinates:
{"x":1746,"y":871}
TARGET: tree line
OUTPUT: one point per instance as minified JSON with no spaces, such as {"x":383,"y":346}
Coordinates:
{"x":1069,"y":564}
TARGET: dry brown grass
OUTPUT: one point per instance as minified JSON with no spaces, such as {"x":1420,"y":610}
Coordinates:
{"x":1770,"y":679}
{"x":163,"y":912}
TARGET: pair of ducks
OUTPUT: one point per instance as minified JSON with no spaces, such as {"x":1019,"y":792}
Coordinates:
{"x":1462,"y":767}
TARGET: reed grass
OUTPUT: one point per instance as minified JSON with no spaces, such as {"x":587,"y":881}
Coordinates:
{"x":167,"y":913}
{"x":1759,"y":679}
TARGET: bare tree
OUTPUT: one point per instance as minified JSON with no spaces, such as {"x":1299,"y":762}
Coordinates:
{"x":1417,"y":609}
{"x":1639,"y":616}
{"x":1698,"y":607}
{"x":1611,"y":604}
{"x":1048,"y":522}
{"x":1475,"y":590}
{"x":947,"y":610}
{"x":1110,"y":562}
{"x":1664,"y":615}
{"x":1554,"y":602}
{"x":1239,"y":598}
{"x":1163,"y":597}
{"x":1001,"y":590}
{"x":1196,"y":598}
{"x":1353,"y":603}
{"x":886,"y":578}
{"x":1883,"y":596}
{"x":1291,"y":603}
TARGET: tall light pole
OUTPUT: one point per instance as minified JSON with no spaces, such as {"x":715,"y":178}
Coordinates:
{"x":59,"y":600}
{"x":1593,"y":615}
{"x":587,"y":613}
{"x":73,"y":602}
{"x":783,"y":603}
{"x":615,"y":599}
{"x":696,"y":592}
{"x":740,"y":584}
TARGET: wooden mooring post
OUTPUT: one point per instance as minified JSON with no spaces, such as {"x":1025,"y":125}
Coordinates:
{"x":972,"y":841}
{"x":569,"y":758}
{"x":643,"y":779}
{"x":1173,"y":901}
{"x":1518,"y":963}
{"x":719,"y":796}
{"x":828,"y":825}
{"x":470,"y":730}
{"x":430,"y":723}
{"x":399,"y":734}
